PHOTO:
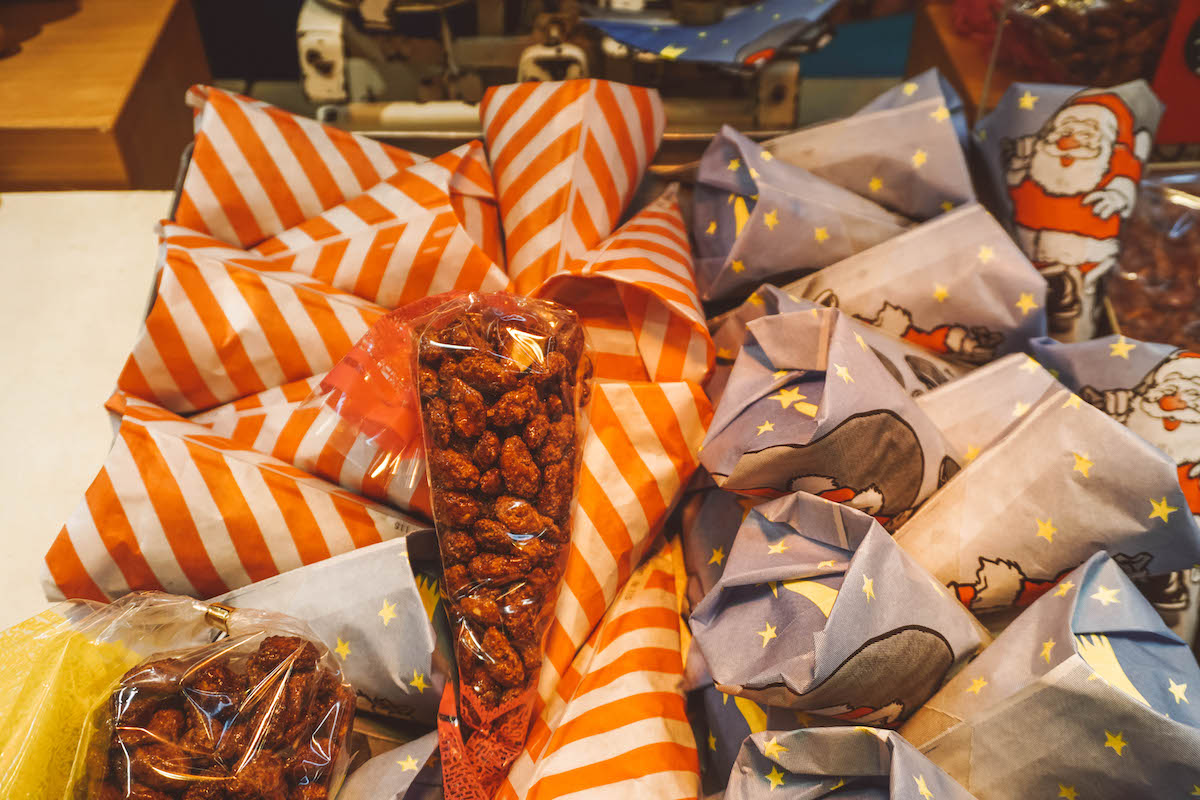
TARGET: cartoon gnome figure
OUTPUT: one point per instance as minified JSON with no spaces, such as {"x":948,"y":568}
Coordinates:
{"x":1071,"y":185}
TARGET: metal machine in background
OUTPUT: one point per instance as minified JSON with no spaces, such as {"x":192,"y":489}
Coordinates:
{"x":412,"y":72}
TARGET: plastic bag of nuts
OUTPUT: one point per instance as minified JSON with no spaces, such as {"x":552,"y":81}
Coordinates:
{"x":1090,"y":42}
{"x":260,"y":714}
{"x":502,"y":381}
{"x":1155,"y":292}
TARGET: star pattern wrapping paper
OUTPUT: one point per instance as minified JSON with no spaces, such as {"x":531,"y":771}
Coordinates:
{"x":1060,"y":167}
{"x":1001,"y":535}
{"x":922,"y":86}
{"x":745,"y":36}
{"x":1086,"y":694}
{"x":381,"y":615}
{"x":409,"y":772}
{"x":918,"y":169}
{"x":819,"y":611}
{"x":859,"y":763}
{"x":756,"y":218}
{"x":957,"y":285}
{"x":815,"y":401}
{"x":1154,"y":390}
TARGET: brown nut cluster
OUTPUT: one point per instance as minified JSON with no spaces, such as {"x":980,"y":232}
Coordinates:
{"x":1155,"y":292}
{"x":1092,"y":42}
{"x":499,"y":396}
{"x":229,"y":727}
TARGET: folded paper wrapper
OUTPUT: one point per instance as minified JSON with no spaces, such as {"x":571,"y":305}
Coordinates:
{"x":807,"y":404}
{"x":810,"y":603}
{"x":1085,"y":692}
{"x":861,"y":762}
{"x":957,"y":285}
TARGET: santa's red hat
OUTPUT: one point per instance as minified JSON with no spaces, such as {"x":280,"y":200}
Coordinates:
{"x":1115,"y":105}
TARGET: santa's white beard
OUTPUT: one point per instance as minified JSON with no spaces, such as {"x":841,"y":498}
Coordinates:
{"x":1181,"y":444}
{"x":1081,"y":177}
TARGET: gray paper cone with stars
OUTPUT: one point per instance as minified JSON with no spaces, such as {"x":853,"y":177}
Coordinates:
{"x":756,"y":218}
{"x":1086,"y":696}
{"x":818,"y":610}
{"x":381,"y":618}
{"x":1063,"y":481}
{"x":929,"y":83}
{"x":1061,"y":165}
{"x":956,"y":285}
{"x":858,"y":763}
{"x":1153,"y":390}
{"x":975,"y":411}
{"x":816,"y":402}
{"x":907,"y":158}
{"x":409,"y":772}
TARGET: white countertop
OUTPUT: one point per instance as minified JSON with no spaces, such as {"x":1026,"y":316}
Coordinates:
{"x":76,"y":277}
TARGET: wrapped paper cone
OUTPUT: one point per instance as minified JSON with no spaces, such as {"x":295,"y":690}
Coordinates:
{"x":410,"y":772}
{"x":1085,"y":695}
{"x":930,"y":83}
{"x":956,"y":285}
{"x":975,"y":411}
{"x":1062,"y":482}
{"x":617,"y":723}
{"x":648,"y":264}
{"x":176,"y":508}
{"x":256,"y":171}
{"x":916,"y":169}
{"x":809,"y":405}
{"x":431,"y":227}
{"x":1154,"y":390}
{"x":711,"y":519}
{"x":819,"y":611}
{"x":1064,"y":164}
{"x":219,"y":331}
{"x":378,"y":614}
{"x":566,"y":158}
{"x":837,"y":762}
{"x":736,"y":39}
{"x":756,"y":218}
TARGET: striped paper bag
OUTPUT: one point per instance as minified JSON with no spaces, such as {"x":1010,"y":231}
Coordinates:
{"x":219,"y":331}
{"x":428,"y":228}
{"x":177,"y":509}
{"x":256,"y":170}
{"x":617,"y":724}
{"x":655,"y":329}
{"x":566,"y":158}
{"x":431,"y":227}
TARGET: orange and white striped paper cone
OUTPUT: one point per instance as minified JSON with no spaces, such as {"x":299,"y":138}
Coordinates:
{"x":655,"y":330}
{"x":431,"y":227}
{"x":219,"y":331}
{"x":177,"y":509}
{"x":617,"y":722}
{"x":428,"y":228}
{"x":257,"y":170}
{"x":566,"y":159}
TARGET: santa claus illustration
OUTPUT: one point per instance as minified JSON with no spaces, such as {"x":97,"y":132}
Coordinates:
{"x":1164,"y":409}
{"x":975,"y":345}
{"x":1000,"y":583}
{"x":1071,"y":184}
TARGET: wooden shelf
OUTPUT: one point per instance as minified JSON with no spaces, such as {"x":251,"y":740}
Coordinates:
{"x":93,"y":94}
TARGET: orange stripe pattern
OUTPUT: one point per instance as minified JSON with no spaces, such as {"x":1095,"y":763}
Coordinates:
{"x":179,"y":509}
{"x":617,"y":726}
{"x":649,"y":264}
{"x":256,"y":170}
{"x":219,"y":331}
{"x":566,"y":158}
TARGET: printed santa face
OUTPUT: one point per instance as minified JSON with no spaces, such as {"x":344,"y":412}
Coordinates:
{"x":1073,"y":155}
{"x":1166,"y":406}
